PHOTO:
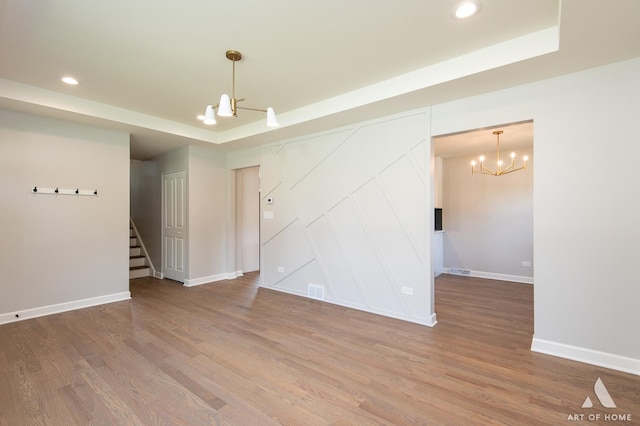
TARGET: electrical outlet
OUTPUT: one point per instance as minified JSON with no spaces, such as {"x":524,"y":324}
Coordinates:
{"x":281,"y":269}
{"x":407,"y":290}
{"x":526,"y":263}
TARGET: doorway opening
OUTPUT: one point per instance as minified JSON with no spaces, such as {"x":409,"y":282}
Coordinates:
{"x":247,"y":220}
{"x":487,"y":221}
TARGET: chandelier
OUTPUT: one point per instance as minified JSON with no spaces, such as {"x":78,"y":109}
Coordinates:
{"x":499,"y":163}
{"x":228,"y":106}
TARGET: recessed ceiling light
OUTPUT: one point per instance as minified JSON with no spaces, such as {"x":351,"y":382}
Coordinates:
{"x":70,"y":80}
{"x":467,"y":9}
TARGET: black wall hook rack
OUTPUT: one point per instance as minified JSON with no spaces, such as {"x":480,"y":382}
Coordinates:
{"x":62,"y":191}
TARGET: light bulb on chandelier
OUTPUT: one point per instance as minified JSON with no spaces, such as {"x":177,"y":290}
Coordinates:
{"x":228,"y":105}
{"x":499,"y":163}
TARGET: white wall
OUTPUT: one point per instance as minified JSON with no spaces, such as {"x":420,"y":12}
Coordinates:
{"x":61,"y":252}
{"x":350,"y":214}
{"x":586,"y":205}
{"x":488,"y":221}
{"x":438,"y":185}
{"x":245,"y":158}
{"x":207,"y":216}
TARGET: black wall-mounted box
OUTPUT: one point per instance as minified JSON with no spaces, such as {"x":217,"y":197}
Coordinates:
{"x":438,"y":221}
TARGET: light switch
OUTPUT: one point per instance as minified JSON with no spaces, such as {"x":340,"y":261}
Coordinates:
{"x":268,"y":214}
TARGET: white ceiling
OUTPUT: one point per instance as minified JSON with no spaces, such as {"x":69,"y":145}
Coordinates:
{"x":516,"y":137}
{"x":149,"y":67}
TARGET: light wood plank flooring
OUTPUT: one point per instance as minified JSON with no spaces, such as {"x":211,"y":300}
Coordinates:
{"x":229,"y":353}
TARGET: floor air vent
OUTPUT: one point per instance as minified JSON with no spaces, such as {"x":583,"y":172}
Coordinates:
{"x":315,"y":291}
{"x":457,"y":271}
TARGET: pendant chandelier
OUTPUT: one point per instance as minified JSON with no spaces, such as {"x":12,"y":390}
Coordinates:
{"x":228,"y":106}
{"x":499,"y":171}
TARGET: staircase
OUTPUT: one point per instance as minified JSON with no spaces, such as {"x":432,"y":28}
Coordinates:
{"x":138,"y":265}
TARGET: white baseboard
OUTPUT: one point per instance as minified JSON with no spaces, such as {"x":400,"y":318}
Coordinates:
{"x":62,"y":307}
{"x":429,"y":321}
{"x":432,"y":321}
{"x":589,"y":356}
{"x":211,"y":278}
{"x":494,"y":276}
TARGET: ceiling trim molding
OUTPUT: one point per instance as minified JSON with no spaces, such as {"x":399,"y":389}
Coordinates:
{"x":501,"y":54}
{"x":19,"y":92}
{"x":498,"y":55}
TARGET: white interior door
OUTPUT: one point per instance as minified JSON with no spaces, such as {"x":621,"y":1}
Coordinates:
{"x":174,"y":230}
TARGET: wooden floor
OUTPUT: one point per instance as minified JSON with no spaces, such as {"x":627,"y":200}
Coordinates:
{"x":230,"y":353}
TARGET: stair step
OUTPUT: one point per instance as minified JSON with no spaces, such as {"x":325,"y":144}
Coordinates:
{"x":137,"y":261}
{"x":139,"y":272}
{"x":138,"y":265}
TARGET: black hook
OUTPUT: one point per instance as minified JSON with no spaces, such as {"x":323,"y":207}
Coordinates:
{"x":77,"y":192}
{"x":56,"y":190}
{"x":35,"y":189}
{"x":95,"y":192}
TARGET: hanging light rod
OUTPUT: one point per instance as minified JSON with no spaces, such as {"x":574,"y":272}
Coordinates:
{"x":499,"y":171}
{"x":228,"y":106}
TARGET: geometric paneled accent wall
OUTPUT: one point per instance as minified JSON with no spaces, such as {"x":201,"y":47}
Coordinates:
{"x":347,"y":211}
